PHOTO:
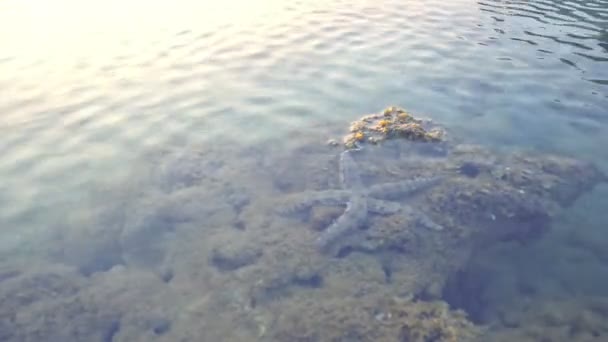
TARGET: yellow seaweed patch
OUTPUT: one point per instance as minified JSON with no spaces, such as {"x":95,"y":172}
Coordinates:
{"x":357,"y":126}
{"x":403,"y":117}
{"x":391,"y":123}
{"x":384,"y":123}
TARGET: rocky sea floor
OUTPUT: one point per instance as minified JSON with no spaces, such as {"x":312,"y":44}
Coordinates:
{"x":191,"y":247}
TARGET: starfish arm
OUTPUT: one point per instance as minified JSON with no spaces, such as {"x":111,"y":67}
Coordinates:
{"x":382,"y":207}
{"x":349,"y":172}
{"x":405,"y":187}
{"x":421,"y":218}
{"x":354,"y":216}
{"x":308,"y":199}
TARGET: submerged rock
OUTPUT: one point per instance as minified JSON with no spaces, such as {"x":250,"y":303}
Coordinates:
{"x":582,"y":318}
{"x":372,"y":318}
{"x":485,"y":197}
{"x":392,"y":123}
{"x":231,"y":255}
{"x":265,"y":279}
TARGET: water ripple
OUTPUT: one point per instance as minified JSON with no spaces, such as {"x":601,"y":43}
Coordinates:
{"x":580,"y":24}
{"x":91,"y":90}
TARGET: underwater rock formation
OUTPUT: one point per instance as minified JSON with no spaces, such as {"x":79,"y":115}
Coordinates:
{"x":199,"y":253}
{"x":485,"y":197}
{"x":489,"y":195}
{"x":566,"y":319}
{"x":46,"y":302}
{"x":392,"y":123}
{"x":373,"y":318}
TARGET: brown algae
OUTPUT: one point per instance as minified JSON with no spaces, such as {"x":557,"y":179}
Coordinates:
{"x":392,"y":123}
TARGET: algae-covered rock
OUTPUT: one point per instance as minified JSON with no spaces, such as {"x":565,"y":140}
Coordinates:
{"x":24,"y":285}
{"x":233,"y":268}
{"x":572,"y":319}
{"x":485,"y":197}
{"x":371,"y":318}
{"x":391,"y":123}
{"x":46,"y":302}
{"x":232,"y":255}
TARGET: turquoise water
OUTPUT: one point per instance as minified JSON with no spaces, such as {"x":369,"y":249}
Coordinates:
{"x":140,"y":140}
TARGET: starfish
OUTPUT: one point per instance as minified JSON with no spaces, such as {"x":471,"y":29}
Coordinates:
{"x":360,"y":201}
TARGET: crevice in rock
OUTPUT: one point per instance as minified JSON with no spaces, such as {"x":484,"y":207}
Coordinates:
{"x":388,"y":273}
{"x":112,"y":331}
{"x":314,"y":281}
{"x":465,"y":290}
{"x":231,"y":260}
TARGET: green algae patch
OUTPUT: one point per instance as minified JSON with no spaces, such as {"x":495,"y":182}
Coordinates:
{"x":392,"y":123}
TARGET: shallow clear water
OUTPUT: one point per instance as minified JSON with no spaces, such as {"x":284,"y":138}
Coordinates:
{"x":109,"y":107}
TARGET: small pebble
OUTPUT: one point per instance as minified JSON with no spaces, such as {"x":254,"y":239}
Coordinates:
{"x":332,"y":142}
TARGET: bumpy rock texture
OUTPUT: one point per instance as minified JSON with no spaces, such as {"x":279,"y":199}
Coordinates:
{"x":392,"y":123}
{"x":197,"y":251}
